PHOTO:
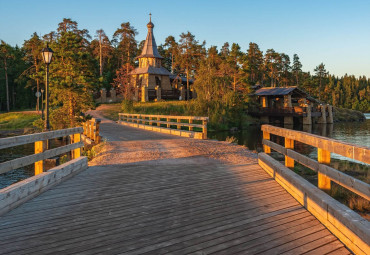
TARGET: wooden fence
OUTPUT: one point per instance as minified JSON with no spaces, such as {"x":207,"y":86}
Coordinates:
{"x":91,"y":130}
{"x":167,"y":124}
{"x":20,"y":192}
{"x":348,"y":226}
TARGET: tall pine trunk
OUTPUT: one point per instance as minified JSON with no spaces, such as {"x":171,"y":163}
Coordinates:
{"x":37,"y":88}
{"x":100,"y":56}
{"x":71,"y":110}
{"x":187,"y":84}
{"x":6,"y":85}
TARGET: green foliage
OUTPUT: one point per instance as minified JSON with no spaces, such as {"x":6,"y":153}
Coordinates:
{"x":15,"y":120}
{"x":127,"y":106}
{"x":71,"y":75}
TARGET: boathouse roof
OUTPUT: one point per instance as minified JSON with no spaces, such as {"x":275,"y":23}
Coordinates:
{"x":276,"y":91}
{"x":281,"y":91}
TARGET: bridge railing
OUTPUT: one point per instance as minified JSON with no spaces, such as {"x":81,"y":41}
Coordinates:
{"x":91,"y":130}
{"x":348,"y":226}
{"x":20,"y":192}
{"x":167,"y":124}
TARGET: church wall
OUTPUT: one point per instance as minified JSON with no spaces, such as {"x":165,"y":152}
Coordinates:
{"x":166,"y":84}
{"x":151,"y":82}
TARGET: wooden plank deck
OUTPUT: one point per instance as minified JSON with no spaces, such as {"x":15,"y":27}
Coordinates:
{"x":170,"y":206}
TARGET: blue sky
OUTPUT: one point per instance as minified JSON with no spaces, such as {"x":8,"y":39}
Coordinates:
{"x":334,"y":32}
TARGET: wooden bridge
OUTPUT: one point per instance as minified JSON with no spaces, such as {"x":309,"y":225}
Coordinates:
{"x":154,"y":193}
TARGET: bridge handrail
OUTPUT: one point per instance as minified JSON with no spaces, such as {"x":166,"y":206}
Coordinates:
{"x":352,"y":229}
{"x":40,"y":148}
{"x":356,"y":152}
{"x":325,"y":146}
{"x":149,"y":119}
{"x":25,"y":139}
{"x":166,"y":116}
{"x":91,"y":130}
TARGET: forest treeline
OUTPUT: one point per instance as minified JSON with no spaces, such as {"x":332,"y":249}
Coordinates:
{"x":83,"y":64}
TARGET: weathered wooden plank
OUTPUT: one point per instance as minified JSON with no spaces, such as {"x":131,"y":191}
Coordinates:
{"x":204,"y":239}
{"x":292,"y":241}
{"x":304,"y":160}
{"x":162,"y":200}
{"x":159,"y":213}
{"x":127,"y":222}
{"x":111,"y":236}
{"x":356,"y":152}
{"x":25,"y":139}
{"x":327,"y":248}
{"x":27,"y":160}
{"x":265,"y":239}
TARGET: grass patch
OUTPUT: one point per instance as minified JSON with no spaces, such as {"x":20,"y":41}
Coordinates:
{"x":17,"y":120}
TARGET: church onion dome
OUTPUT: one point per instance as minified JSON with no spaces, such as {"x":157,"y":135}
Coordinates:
{"x":150,"y":25}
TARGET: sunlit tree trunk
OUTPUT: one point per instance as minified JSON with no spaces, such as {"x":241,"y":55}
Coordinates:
{"x":100,"y":55}
{"x":6,"y":85}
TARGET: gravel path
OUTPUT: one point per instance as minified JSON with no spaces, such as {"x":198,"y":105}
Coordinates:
{"x":130,"y":145}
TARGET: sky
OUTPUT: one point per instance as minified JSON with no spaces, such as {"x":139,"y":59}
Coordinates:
{"x":334,"y":32}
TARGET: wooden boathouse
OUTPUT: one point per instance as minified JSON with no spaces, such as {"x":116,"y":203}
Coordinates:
{"x":292,"y":102}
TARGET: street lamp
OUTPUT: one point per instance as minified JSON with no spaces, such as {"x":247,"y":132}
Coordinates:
{"x":47,"y":53}
{"x":42,"y":104}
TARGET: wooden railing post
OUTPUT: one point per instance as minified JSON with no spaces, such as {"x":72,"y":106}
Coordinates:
{"x":168,"y":125}
{"x":178,"y":121}
{"x":76,"y":153}
{"x":97,"y":131}
{"x":39,"y":165}
{"x":266,"y":136}
{"x":289,"y":144}
{"x":190,"y":127}
{"x":158,"y":119}
{"x":85,"y":128}
{"x":323,"y":157}
{"x":204,"y":129}
{"x":92,"y":121}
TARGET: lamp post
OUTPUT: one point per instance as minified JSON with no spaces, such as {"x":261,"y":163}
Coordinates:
{"x":42,"y":104}
{"x":47,"y":53}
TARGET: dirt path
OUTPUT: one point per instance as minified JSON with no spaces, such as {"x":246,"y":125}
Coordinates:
{"x":130,"y":145}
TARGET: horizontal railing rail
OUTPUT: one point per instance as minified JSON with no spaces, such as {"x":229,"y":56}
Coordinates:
{"x":169,"y":121}
{"x":359,"y":153}
{"x":349,"y":227}
{"x":41,"y":151}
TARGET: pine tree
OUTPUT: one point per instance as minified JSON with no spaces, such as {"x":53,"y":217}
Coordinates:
{"x":72,"y":75}
{"x":33,"y":48}
{"x":254,"y":63}
{"x":321,"y":73}
{"x":190,"y":54}
{"x":296,"y":68}
{"x":126,"y":44}
{"x":5,"y":55}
